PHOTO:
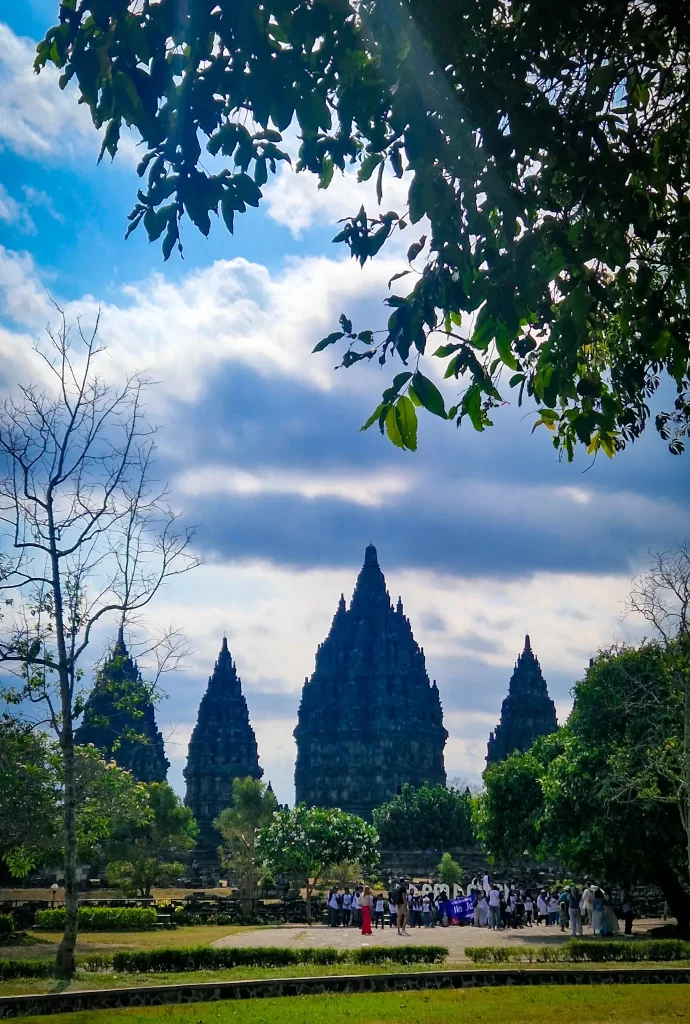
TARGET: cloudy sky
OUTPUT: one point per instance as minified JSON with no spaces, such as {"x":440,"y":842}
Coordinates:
{"x":486,"y":537}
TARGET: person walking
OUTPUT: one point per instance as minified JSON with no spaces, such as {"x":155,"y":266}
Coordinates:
{"x":529,"y":909}
{"x":598,"y":912}
{"x":553,"y":909}
{"x":403,"y":914}
{"x":587,"y":904}
{"x":378,"y":911}
{"x":426,"y":910}
{"x":542,"y":908}
{"x":564,"y":909}
{"x":574,"y":912}
{"x":367,"y":903}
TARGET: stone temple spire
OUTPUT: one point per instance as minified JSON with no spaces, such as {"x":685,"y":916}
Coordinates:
{"x":222,"y":748}
{"x":119,"y":718}
{"x":369,"y":720}
{"x":527,"y":712}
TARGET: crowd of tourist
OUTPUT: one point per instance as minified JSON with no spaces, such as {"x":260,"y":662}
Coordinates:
{"x":493,"y":905}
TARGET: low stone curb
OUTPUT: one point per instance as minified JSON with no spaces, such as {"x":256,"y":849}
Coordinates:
{"x":160,"y":995}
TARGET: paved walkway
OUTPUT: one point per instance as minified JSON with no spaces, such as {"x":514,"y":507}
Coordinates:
{"x":455,"y":938}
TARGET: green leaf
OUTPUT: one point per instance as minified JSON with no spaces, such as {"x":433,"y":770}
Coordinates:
{"x":326,"y":173}
{"x":368,"y":166}
{"x":330,"y":340}
{"x":446,"y":350}
{"x":247,"y":189}
{"x":393,"y":427}
{"x":407,"y":422}
{"x":401,"y":379}
{"x":503,"y":346}
{"x":412,"y":395}
{"x":516,"y":379}
{"x":472,"y":406}
{"x":373,"y":418}
{"x":155,"y":221}
{"x":345,"y":323}
{"x":228,"y":211}
{"x":484,"y":330}
{"x":428,"y":394}
{"x":366,"y":337}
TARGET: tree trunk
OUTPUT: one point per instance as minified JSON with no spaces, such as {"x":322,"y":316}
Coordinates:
{"x":309,"y":921}
{"x":64,"y":961}
{"x":685,"y":796}
{"x":677,"y":897}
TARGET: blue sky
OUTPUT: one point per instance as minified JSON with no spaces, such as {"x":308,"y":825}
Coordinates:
{"x":486,"y":537}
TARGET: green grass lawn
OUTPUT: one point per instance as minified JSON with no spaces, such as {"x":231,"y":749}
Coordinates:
{"x":648,"y":1004}
{"x":111,"y":942}
{"x":92,"y":980}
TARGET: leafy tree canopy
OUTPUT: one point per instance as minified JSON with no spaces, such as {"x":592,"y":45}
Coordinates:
{"x":253,"y":806}
{"x":449,"y":871}
{"x":572,"y":795}
{"x":143,"y":853}
{"x":305,"y":841}
{"x":547,"y":150}
{"x":428,"y":817}
{"x":31,"y":799}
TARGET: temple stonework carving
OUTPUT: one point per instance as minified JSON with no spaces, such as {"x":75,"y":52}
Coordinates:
{"x":526,"y":713}
{"x":222,"y":748}
{"x":369,"y":720}
{"x":119,"y":718}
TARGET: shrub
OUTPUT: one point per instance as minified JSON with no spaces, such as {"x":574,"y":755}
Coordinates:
{"x":100,"y":919}
{"x":207,"y":958}
{"x":584,"y":950}
{"x":6,"y":924}
{"x":10,"y":969}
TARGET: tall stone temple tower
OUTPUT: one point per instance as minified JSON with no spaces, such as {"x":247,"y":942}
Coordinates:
{"x":369,"y":720}
{"x":222,"y":748}
{"x":527,"y":712}
{"x":132,"y":740}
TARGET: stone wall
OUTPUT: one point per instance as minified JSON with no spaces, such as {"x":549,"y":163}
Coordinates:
{"x":162,"y":995}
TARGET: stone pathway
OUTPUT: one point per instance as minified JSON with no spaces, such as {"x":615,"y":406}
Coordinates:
{"x":455,"y":938}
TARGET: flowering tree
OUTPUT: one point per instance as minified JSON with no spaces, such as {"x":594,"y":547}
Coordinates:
{"x":306,"y":841}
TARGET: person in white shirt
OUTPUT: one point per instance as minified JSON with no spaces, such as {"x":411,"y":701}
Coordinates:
{"x":542,"y":908}
{"x":486,"y":885}
{"x":529,"y":909}
{"x":494,"y":908}
{"x":392,"y":914}
{"x":357,"y":909}
{"x":378,"y":911}
{"x":553,"y":909}
{"x":333,"y":908}
{"x":347,"y":907}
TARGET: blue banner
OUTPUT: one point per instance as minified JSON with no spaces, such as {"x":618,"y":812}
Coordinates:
{"x":461,"y":908}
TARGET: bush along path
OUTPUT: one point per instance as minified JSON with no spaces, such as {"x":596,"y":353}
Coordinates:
{"x":575,"y":952}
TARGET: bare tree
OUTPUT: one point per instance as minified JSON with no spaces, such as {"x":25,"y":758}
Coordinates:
{"x":87,"y":537}
{"x":661,"y":595}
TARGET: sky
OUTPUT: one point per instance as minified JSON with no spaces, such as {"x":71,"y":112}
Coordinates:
{"x":485,"y":536}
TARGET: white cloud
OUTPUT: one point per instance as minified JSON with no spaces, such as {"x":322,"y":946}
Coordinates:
{"x":233,"y":311}
{"x":12,"y":212}
{"x":296,"y":201}
{"x":37,"y":118}
{"x":370,"y":489}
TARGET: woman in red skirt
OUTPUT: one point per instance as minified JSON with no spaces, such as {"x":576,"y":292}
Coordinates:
{"x":367,"y":902}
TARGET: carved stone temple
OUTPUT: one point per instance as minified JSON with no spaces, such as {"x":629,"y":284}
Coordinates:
{"x":132,"y":740}
{"x":369,"y":720}
{"x":527,"y":712}
{"x":222,"y":748}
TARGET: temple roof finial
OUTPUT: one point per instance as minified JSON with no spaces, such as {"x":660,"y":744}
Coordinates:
{"x":224,"y":646}
{"x":370,"y":556}
{"x":399,"y":606}
{"x":528,"y":646}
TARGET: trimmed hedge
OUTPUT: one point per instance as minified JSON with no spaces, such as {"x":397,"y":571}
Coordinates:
{"x":595,"y":951}
{"x":206,"y":958}
{"x":6,"y":924}
{"x":100,"y":919}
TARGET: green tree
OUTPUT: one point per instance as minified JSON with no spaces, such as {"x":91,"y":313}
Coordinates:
{"x":29,"y":797}
{"x":427,"y":816}
{"x":548,"y":153}
{"x":143,"y":853}
{"x":32,"y":799}
{"x":657,"y":768}
{"x":253,"y":806}
{"x":564,"y":798}
{"x":449,"y":872}
{"x":306,"y":841}
{"x":86,"y":537}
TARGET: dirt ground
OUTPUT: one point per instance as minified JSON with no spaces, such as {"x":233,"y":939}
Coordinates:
{"x":454,"y":937}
